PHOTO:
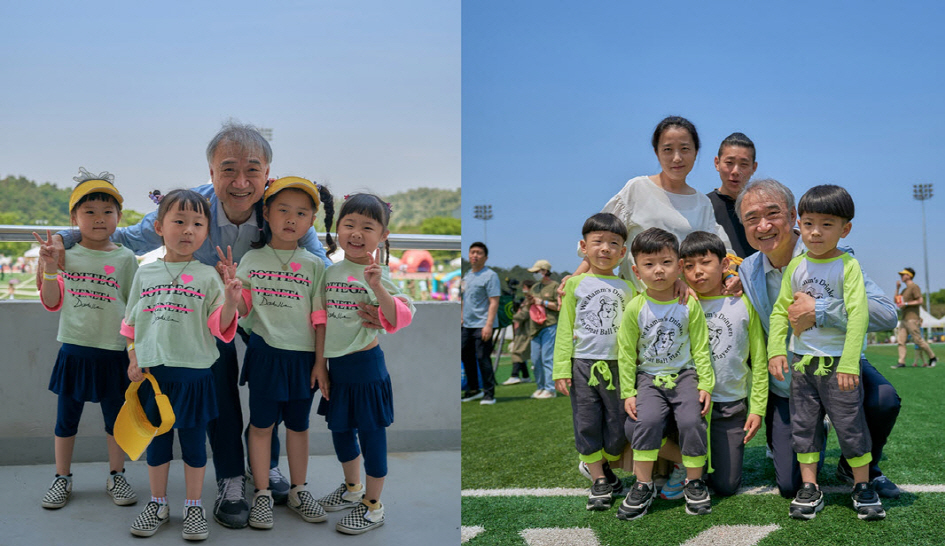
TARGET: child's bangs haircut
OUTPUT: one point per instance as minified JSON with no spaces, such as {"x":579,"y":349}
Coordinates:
{"x":652,"y":241}
{"x":184,"y":200}
{"x":371,"y":206}
{"x":700,"y":243}
{"x":367,"y":204}
{"x":605,"y":221}
{"x":827,"y":199}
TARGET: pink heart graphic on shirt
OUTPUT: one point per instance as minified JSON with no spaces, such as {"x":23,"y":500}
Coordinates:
{"x":109,"y":269}
{"x":352,"y":279}
{"x":186,"y":278}
{"x":295,"y":267}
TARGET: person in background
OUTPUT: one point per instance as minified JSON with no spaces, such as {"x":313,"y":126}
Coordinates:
{"x":521,"y":342}
{"x":543,"y":305}
{"x":910,"y":302}
{"x":481,"y":291}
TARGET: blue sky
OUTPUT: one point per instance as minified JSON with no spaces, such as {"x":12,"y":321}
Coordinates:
{"x":560,"y":101}
{"x":361,"y":95}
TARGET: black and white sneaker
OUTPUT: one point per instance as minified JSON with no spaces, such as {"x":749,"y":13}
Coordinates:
{"x":601,"y":497}
{"x":616,"y":484}
{"x":195,"y":523}
{"x":698,"y":502}
{"x":636,"y":503}
{"x":150,"y":519}
{"x":260,"y":515}
{"x":231,"y":509}
{"x":808,"y":501}
{"x":361,"y":520}
{"x":469,"y":396}
{"x":341,"y":499}
{"x":120,"y":490}
{"x":278,"y":485}
{"x":866,"y":502}
{"x":304,"y":504}
{"x":58,"y":493}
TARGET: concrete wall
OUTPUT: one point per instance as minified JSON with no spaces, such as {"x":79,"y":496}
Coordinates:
{"x":422,"y":360}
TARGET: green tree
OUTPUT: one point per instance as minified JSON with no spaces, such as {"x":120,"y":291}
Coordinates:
{"x":442,"y":225}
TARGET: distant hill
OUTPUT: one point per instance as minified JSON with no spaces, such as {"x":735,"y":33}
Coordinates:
{"x":23,"y":201}
{"x":412,"y":207}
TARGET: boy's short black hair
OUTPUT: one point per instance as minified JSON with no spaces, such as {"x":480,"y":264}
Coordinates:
{"x":652,"y":241}
{"x":827,"y":199}
{"x":605,"y":221}
{"x":700,"y":243}
{"x":479,"y":244}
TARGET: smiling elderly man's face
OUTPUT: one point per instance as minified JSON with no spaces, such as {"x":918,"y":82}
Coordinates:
{"x":239,"y":178}
{"x":769,"y":224}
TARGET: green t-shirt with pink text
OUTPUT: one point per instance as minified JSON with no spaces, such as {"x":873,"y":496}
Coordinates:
{"x":96,"y":284}
{"x":170,"y":321}
{"x":345,"y":288}
{"x":284,"y":299}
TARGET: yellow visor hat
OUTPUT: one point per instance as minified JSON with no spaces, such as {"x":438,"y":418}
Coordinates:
{"x":133,"y":430}
{"x":296,"y":182}
{"x":93,"y":186}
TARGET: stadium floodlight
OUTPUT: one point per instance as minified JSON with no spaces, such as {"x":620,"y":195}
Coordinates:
{"x":484,"y":213}
{"x":923,"y":192}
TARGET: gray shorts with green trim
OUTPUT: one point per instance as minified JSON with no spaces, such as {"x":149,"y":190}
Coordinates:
{"x":656,"y":406}
{"x":597,"y":410}
{"x":813,"y":395}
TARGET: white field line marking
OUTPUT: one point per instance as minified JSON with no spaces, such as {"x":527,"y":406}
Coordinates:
{"x":732,"y":535}
{"x":554,"y":536}
{"x":470,"y":532}
{"x":761,"y":490}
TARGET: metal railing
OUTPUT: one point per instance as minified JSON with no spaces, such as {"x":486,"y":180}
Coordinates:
{"x":398,"y":241}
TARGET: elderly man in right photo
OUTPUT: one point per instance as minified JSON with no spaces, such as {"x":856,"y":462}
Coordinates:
{"x":767,"y":210}
{"x":910,"y":302}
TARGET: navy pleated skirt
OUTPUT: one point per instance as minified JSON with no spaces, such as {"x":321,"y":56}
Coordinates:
{"x":89,"y":374}
{"x":191,"y":391}
{"x":277,"y":374}
{"x":361,"y":393}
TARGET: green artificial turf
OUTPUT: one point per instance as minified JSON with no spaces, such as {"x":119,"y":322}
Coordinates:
{"x":524,"y":443}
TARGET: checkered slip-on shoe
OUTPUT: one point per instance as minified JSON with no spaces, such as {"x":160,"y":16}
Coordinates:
{"x":195,"y":523}
{"x":120,"y":490}
{"x":305,"y":505}
{"x":361,"y":520}
{"x":150,"y":519}
{"x":260,"y":515}
{"x":341,"y":498}
{"x":58,"y":494}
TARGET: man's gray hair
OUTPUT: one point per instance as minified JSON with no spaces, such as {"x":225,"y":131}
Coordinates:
{"x":246,"y":136}
{"x":767,"y":187}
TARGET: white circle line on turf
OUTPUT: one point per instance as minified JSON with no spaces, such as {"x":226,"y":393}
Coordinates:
{"x":762,"y":490}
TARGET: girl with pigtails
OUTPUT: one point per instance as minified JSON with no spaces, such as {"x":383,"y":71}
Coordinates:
{"x":357,"y":399}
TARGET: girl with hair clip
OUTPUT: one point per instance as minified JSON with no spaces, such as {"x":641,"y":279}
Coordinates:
{"x":176,"y":307}
{"x":284,"y":299}
{"x":91,"y":291}
{"x":359,"y":403}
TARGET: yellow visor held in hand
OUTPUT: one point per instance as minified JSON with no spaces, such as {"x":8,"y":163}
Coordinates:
{"x":133,"y":430}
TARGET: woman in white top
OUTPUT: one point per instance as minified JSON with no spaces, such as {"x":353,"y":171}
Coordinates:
{"x":665,"y":200}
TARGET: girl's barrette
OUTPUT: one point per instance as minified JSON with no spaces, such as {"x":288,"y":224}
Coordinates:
{"x":155,"y":196}
{"x":85,"y":175}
